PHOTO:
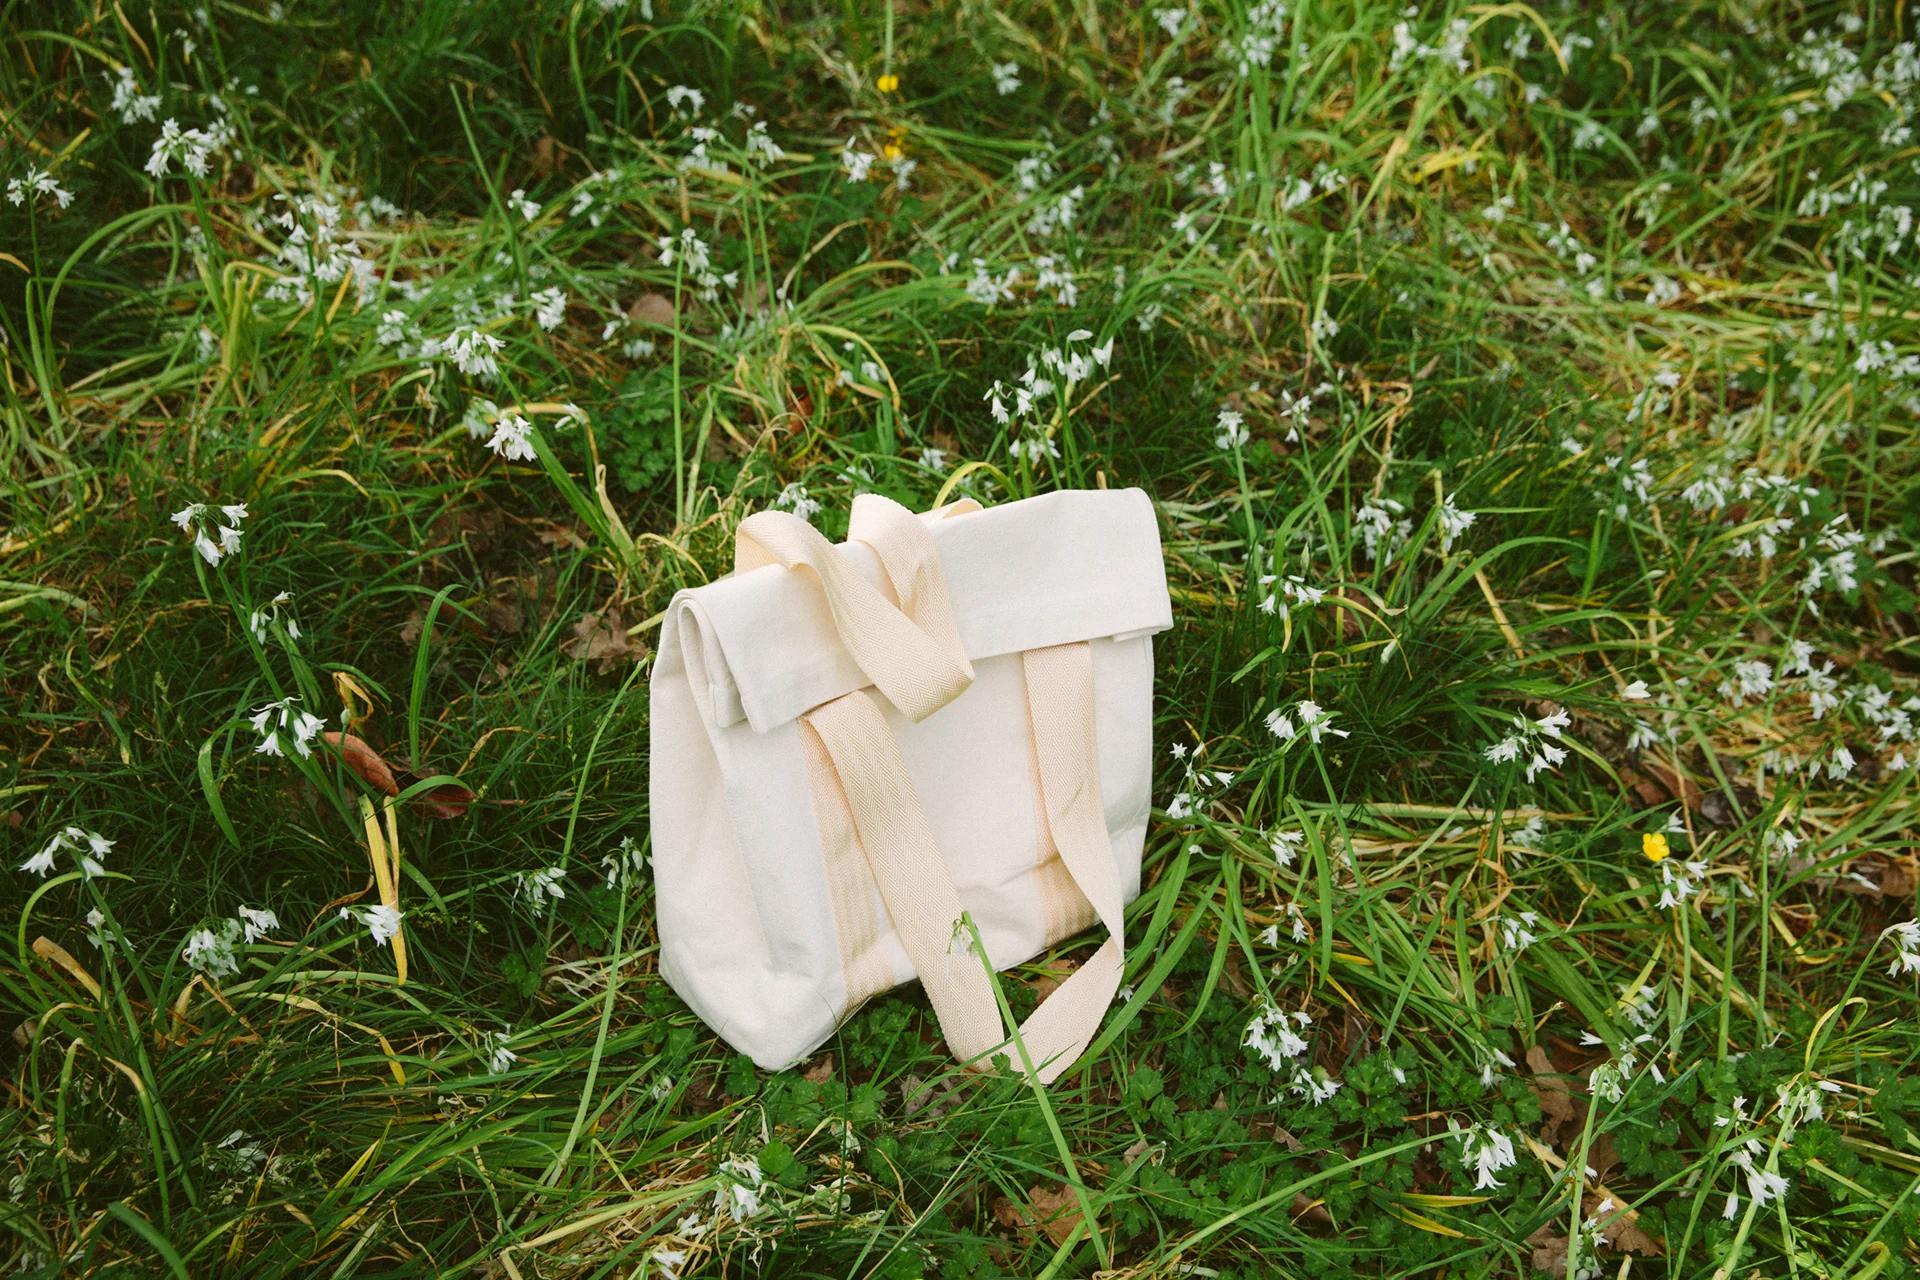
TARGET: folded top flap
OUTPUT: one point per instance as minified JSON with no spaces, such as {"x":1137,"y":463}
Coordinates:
{"x":1075,"y":565}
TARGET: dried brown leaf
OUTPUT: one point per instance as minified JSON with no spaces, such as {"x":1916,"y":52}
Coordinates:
{"x":363,"y":760}
{"x":652,"y":308}
{"x":601,"y":639}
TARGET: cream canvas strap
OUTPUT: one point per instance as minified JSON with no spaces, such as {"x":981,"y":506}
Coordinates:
{"x":905,"y":860}
{"x":911,"y":651}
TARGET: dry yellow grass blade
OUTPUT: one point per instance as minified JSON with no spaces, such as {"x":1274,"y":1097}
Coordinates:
{"x":383,"y":851}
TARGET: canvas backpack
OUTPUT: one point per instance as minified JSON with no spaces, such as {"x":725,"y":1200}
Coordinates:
{"x":855,"y":744}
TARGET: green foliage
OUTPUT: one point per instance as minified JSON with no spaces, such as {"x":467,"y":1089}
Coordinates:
{"x":1628,"y":286}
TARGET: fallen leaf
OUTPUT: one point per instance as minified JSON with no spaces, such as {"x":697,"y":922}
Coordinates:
{"x":363,"y":760}
{"x":1549,"y":1251}
{"x":1621,"y":1227}
{"x":1556,"y":1104}
{"x":601,"y":638}
{"x":447,"y":800}
{"x":821,"y":1071}
{"x":652,"y":308}
{"x":1056,"y":1213}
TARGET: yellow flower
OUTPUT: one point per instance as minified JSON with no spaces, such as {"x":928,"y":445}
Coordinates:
{"x":888,"y":83}
{"x":893,"y":151}
{"x":1654,"y":845}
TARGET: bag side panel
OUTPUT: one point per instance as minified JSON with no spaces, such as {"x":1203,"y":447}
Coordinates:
{"x":717,"y":950}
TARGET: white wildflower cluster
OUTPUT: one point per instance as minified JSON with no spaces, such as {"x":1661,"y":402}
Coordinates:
{"x":381,"y":921}
{"x":624,"y":864}
{"x":540,"y":886}
{"x":1517,"y":931}
{"x":549,"y":307}
{"x":1484,"y":1152}
{"x":1636,"y":483}
{"x":1196,"y":781}
{"x":86,"y":848}
{"x":1570,"y":249}
{"x":192,"y":149}
{"x":1905,"y":937}
{"x":986,"y":288}
{"x":1292,"y":589}
{"x":512,"y":438}
{"x":132,"y":106}
{"x":319,"y":250}
{"x":1384,"y":528}
{"x":1680,"y":880}
{"x":1049,"y":375}
{"x":1298,"y":929}
{"x":214,"y":536}
{"x":1308,"y":719}
{"x":473,"y":351}
{"x":742,"y":1188}
{"x":1453,"y":523}
{"x":1253,"y":50}
{"x":1532,"y":740}
{"x":1006,"y":77}
{"x":795,"y":498}
{"x":282,"y":717}
{"x":1230,"y":430}
{"x":214,"y":949}
{"x":36,"y":183}
{"x":495,"y":1047}
{"x":695,"y":260}
{"x":1450,"y":50}
{"x":1278,"y":1039}
{"x":260,"y":622}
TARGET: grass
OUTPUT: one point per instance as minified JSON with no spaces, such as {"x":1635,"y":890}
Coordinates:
{"x":1628,"y":284}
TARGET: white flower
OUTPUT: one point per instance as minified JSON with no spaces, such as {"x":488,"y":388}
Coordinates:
{"x":87,"y":847}
{"x":37,"y":183}
{"x":518,"y":202}
{"x":512,"y":439}
{"x":257,"y":922}
{"x":550,"y":308}
{"x":625,"y":862}
{"x":1006,"y":77}
{"x":97,"y":928}
{"x":133,"y":106}
{"x":196,"y":518}
{"x":1286,"y":846}
{"x":1315,"y":721}
{"x":686,"y":100}
{"x":1232,"y":432}
{"x":493,"y":1044}
{"x":1906,"y":938}
{"x":1453,"y":523}
{"x":473,"y":352}
{"x":1516,"y":931}
{"x":1272,"y":1037}
{"x":1636,"y":692}
{"x":382,"y":921}
{"x":542,"y":885}
{"x":211,"y":953}
{"x":739,"y":1193}
{"x":1485,"y":1151}
{"x":856,"y":162}
{"x":269,"y":721}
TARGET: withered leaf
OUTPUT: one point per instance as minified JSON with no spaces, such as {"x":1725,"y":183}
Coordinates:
{"x":363,"y":760}
{"x":601,"y":638}
{"x":1056,"y":1213}
{"x":1556,"y":1104}
{"x":1620,"y":1226}
{"x":652,"y":308}
{"x":447,"y":800}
